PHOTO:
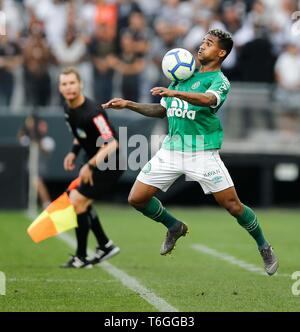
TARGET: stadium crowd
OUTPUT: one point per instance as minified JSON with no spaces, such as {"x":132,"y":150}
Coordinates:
{"x":118,"y":45}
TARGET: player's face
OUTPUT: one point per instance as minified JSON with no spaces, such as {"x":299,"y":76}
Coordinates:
{"x":69,"y":86}
{"x":209,"y":49}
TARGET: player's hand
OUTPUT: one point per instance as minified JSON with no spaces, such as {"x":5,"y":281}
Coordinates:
{"x":161,"y":91}
{"x":117,"y":103}
{"x":86,"y":174}
{"x":69,"y":161}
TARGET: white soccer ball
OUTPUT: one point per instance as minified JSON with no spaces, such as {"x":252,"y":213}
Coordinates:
{"x":178,"y":64}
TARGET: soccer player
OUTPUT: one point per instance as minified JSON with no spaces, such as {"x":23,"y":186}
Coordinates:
{"x":88,"y":124}
{"x":191,"y":147}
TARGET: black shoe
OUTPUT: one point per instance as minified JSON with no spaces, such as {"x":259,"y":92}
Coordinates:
{"x":171,"y":238}
{"x":107,"y":252}
{"x":77,"y":263}
{"x":101,"y":254}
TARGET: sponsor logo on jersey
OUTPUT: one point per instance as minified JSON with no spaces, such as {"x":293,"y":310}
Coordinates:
{"x":179,"y":108}
{"x":195,"y":85}
{"x":81,"y":133}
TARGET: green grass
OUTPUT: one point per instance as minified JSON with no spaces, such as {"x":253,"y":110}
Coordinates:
{"x":188,"y":280}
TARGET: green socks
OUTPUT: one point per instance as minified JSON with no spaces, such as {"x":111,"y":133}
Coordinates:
{"x":155,"y":211}
{"x":248,"y":220}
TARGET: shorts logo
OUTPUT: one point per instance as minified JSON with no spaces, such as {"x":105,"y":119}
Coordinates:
{"x":81,"y":133}
{"x":217,"y":179}
{"x":211,"y":173}
{"x":147,"y":168}
{"x":195,"y":85}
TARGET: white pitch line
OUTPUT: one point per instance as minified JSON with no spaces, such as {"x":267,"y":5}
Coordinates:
{"x":128,"y":281}
{"x":233,"y":260}
{"x":32,"y":280}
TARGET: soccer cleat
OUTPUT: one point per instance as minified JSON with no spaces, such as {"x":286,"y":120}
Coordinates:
{"x":270,"y":260}
{"x":107,"y":252}
{"x":171,"y":238}
{"x":77,"y":263}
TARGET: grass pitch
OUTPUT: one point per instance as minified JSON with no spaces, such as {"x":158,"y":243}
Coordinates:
{"x":188,"y":280}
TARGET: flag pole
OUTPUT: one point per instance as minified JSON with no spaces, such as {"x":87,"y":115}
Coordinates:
{"x":33,"y":173}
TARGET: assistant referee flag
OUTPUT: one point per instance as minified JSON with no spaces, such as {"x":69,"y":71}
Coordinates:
{"x":58,"y":217}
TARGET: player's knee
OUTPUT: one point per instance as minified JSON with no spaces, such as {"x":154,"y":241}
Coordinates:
{"x":135,"y":201}
{"x":234,"y":207}
{"x":132,"y":201}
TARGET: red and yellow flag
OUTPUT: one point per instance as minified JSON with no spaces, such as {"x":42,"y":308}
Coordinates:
{"x":58,"y":217}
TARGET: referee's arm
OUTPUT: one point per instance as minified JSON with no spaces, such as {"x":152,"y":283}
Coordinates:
{"x":104,"y":151}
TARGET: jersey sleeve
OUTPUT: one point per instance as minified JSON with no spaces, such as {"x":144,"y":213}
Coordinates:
{"x":163,"y":102}
{"x":102,"y":125}
{"x":220,"y":88}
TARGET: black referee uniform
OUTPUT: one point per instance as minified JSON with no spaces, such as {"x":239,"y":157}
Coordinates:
{"x":88,"y":123}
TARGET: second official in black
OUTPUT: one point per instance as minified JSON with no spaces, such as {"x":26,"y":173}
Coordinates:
{"x":94,"y":135}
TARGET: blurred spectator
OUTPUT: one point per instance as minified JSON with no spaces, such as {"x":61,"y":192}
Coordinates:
{"x":140,"y":32}
{"x":102,"y":45}
{"x":287,"y":70}
{"x":36,"y":129}
{"x":258,"y":14}
{"x":106,"y":15}
{"x":280,"y":23}
{"x":125,"y":9}
{"x":177,"y":14}
{"x":86,"y":18}
{"x":71,"y":50}
{"x":256,"y":59}
{"x":130,"y":65}
{"x":37,"y":59}
{"x":53,"y":13}
{"x":235,"y":22}
{"x":211,"y":5}
{"x":156,"y":26}
{"x":203,"y":21}
{"x":10,"y":59}
{"x":233,"y":14}
{"x":142,"y":36}
{"x":150,"y":8}
{"x":165,"y":41}
{"x":14,"y":21}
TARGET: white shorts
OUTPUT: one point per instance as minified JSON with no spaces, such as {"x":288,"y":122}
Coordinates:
{"x":205,"y":167}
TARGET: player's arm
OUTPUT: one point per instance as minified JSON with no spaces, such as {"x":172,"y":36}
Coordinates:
{"x":200,"y":99}
{"x":151,"y":110}
{"x":86,"y":172}
{"x":70,"y":158}
{"x":107,"y":143}
{"x":105,"y":151}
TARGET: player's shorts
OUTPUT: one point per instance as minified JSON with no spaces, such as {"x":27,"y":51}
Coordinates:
{"x":204,"y":167}
{"x":104,"y":183}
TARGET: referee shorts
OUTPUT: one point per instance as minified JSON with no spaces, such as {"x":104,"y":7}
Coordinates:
{"x":104,"y":183}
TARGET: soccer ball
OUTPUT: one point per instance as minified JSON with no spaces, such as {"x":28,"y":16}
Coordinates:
{"x":178,"y":64}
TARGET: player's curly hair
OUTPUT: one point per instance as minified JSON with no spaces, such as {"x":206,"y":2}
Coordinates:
{"x":225,"y":40}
